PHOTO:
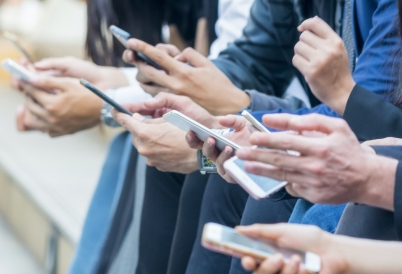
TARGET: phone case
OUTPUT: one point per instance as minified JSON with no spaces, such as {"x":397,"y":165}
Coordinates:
{"x":186,"y":124}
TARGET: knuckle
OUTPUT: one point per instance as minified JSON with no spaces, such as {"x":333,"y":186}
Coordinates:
{"x":323,"y":151}
{"x":159,"y":56}
{"x":317,"y":169}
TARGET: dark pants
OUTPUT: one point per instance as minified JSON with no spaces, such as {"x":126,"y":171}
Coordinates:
{"x":266,"y":212}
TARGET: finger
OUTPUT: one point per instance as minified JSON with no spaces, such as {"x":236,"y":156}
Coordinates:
{"x":305,"y":50}
{"x":277,"y":159}
{"x":52,"y":64}
{"x":225,"y":155}
{"x":37,"y":110}
{"x":169,"y":49}
{"x":193,"y":141}
{"x":233,"y":121}
{"x":153,"y":90}
{"x":272,"y":265}
{"x":158,"y":56}
{"x":311,"y":39}
{"x":42,"y":97}
{"x":20,"y":113}
{"x":168,"y":100}
{"x":281,"y":141}
{"x":291,"y":190}
{"x":299,"y":123}
{"x":48,"y":82}
{"x":317,"y":26}
{"x":129,"y":56}
{"x":193,"y":57}
{"x":269,"y":232}
{"x":292,"y":266}
{"x":248,"y":263}
{"x":301,"y":63}
{"x":139,"y":108}
{"x":209,"y":149}
{"x":158,"y":77}
{"x":32,"y":122}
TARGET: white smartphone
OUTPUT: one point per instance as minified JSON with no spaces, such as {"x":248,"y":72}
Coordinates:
{"x":185,"y":123}
{"x":227,"y":241}
{"x":259,"y":187}
{"x":17,"y":70}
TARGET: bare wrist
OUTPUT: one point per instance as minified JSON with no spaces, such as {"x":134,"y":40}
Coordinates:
{"x":346,"y":89}
{"x":378,"y":191}
{"x":237,"y":102}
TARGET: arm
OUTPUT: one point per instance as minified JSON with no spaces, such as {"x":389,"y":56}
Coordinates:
{"x":361,"y":117}
{"x":339,"y":254}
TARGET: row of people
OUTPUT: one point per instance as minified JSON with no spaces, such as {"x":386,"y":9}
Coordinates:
{"x":253,"y":73}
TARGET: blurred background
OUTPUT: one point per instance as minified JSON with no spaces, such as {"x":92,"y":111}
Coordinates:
{"x":45,"y":184}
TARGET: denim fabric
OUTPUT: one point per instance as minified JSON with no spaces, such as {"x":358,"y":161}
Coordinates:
{"x":103,"y":203}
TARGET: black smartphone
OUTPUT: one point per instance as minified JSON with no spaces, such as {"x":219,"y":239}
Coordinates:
{"x":123,"y":36}
{"x":104,"y":97}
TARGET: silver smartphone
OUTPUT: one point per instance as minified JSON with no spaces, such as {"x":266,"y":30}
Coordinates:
{"x":228,"y":241}
{"x":259,"y":187}
{"x":202,"y":132}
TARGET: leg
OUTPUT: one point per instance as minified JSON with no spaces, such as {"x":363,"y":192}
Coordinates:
{"x":158,"y":220}
{"x":223,"y":203}
{"x":187,"y":222}
{"x":264,"y":211}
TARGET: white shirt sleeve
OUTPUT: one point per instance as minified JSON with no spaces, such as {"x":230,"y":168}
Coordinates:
{"x":233,"y":17}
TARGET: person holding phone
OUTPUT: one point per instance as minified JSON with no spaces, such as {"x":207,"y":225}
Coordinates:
{"x":339,"y":254}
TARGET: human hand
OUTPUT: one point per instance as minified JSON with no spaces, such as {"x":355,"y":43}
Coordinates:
{"x":240,"y":135}
{"x":321,"y":57}
{"x":102,"y":77}
{"x":389,"y":141}
{"x":332,"y":168}
{"x":203,"y":82}
{"x":165,"y":102}
{"x":300,"y":237}
{"x":72,"y":109}
{"x":160,"y":142}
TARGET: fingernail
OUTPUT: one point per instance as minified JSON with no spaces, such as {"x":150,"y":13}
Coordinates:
{"x":228,"y":151}
{"x":209,"y":142}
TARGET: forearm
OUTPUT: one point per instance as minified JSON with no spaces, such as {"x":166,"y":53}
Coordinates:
{"x":113,"y":77}
{"x":378,"y":191}
{"x":366,"y":256}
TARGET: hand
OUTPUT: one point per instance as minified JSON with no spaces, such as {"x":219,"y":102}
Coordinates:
{"x":241,"y":135}
{"x":165,"y":102}
{"x":72,"y":109}
{"x":321,"y":57}
{"x":102,"y":77}
{"x":300,"y":237}
{"x":332,"y":168}
{"x":160,"y":142}
{"x":203,"y":82}
{"x":390,"y":141}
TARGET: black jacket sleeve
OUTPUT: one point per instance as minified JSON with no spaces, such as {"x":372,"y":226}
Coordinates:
{"x":371,"y":117}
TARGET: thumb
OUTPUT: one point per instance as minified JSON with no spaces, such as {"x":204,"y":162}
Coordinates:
{"x":167,"y":100}
{"x":49,"y":82}
{"x":233,"y":121}
{"x":193,"y":57}
{"x":52,"y":64}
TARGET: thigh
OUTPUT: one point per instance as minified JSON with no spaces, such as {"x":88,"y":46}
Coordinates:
{"x":222,"y":203}
{"x":187,"y":221}
{"x":158,"y":219}
{"x":266,"y":212}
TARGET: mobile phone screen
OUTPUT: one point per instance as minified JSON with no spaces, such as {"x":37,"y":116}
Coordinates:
{"x":265,"y":183}
{"x":271,"y":248}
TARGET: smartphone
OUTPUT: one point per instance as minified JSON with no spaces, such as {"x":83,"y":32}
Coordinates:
{"x":259,"y":187}
{"x":228,"y":241}
{"x":104,"y":97}
{"x":14,"y":40}
{"x":185,"y":123}
{"x":17,"y":70}
{"x":123,"y":36}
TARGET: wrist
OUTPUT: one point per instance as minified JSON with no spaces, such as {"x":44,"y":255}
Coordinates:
{"x":112,"y":78}
{"x":378,"y":190}
{"x":240,"y":100}
{"x":339,"y":104}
